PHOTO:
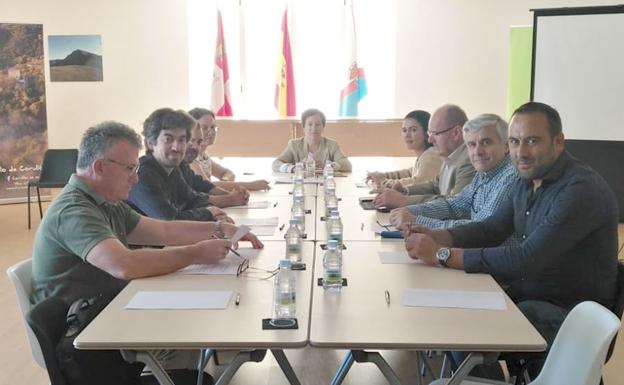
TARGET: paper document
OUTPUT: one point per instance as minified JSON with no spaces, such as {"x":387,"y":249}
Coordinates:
{"x":379,"y":226}
{"x":396,"y":257}
{"x":271,"y":221}
{"x":363,"y":185}
{"x":253,"y":205}
{"x":454,"y":298}
{"x":227,"y":266}
{"x":263,"y":230}
{"x":180,"y":300}
{"x":240,"y":232}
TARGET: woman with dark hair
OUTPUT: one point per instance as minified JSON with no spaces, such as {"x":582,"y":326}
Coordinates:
{"x":428,"y":161}
{"x":313,"y":142}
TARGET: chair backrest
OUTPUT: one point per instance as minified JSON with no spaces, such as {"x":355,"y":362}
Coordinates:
{"x":20,"y":276}
{"x":57,"y":167}
{"x":48,"y":321}
{"x":578,"y":353}
{"x":618,"y":307}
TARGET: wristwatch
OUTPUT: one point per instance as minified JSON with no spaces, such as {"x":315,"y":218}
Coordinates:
{"x":218,"y":230}
{"x":443,"y":254}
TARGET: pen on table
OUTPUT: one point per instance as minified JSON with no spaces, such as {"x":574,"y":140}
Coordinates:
{"x":275,"y":205}
{"x":282,"y":226}
{"x":387,"y":297}
{"x":237,"y":300}
{"x":362,"y":227}
{"x":235,"y":253}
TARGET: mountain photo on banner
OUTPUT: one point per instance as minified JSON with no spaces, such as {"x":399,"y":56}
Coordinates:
{"x":75,"y":58}
{"x":285,"y":99}
{"x":355,"y":89}
{"x":23,"y":122}
{"x":221,"y":99}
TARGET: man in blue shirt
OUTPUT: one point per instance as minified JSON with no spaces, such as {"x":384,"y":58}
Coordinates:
{"x":486,"y":139}
{"x":565,"y":215}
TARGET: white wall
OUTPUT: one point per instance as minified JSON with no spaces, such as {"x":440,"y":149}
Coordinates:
{"x":145,"y":61}
{"x":447,"y":51}
{"x":457,"y":51}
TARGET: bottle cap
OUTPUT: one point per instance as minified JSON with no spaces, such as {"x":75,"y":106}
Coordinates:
{"x":285,"y":264}
{"x":332,"y":244}
{"x":293,"y":221}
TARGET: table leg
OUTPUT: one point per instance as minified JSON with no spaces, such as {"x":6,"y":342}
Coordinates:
{"x":288,"y":371}
{"x":204,"y":357}
{"x":364,"y":356}
{"x":241,"y":358}
{"x":152,"y":364}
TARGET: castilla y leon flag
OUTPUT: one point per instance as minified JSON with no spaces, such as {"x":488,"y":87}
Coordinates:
{"x":285,"y":87}
{"x":355,"y":89}
{"x":221,"y":75}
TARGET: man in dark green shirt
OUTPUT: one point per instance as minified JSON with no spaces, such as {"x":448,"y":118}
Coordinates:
{"x":81,"y":247}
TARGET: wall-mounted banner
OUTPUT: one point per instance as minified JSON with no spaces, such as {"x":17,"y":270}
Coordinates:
{"x":23,"y":123}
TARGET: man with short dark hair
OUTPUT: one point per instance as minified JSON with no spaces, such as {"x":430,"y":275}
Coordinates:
{"x":445,"y":133}
{"x":162,"y":191}
{"x":564,"y":214}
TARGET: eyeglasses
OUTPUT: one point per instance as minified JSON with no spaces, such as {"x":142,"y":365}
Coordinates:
{"x":242,"y":267}
{"x":214,"y":128}
{"x":436,"y":133}
{"x":130,"y":168}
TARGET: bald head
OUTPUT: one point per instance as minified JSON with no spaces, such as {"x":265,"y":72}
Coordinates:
{"x":445,"y":128}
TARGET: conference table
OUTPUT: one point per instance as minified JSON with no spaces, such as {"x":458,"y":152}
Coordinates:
{"x":360,"y":318}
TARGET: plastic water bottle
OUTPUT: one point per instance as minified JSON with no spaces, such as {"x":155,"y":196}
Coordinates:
{"x":310,"y":166}
{"x":285,"y":292}
{"x":293,"y":242}
{"x":332,"y":267}
{"x":298,"y":190}
{"x":298,"y":212}
{"x":328,"y":170}
{"x":331,"y":202}
{"x":334,"y":228}
{"x":329,"y":183}
{"x":298,"y":171}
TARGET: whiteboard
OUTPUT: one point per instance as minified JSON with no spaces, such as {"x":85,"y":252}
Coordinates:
{"x":579,"y":70}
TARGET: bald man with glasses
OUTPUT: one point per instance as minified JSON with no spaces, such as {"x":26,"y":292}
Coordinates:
{"x":445,"y":133}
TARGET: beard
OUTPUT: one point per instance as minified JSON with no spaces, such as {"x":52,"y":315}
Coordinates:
{"x":190,"y":155}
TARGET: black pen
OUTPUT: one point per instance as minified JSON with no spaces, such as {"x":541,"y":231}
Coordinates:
{"x":282,"y":226}
{"x":235,"y":252}
{"x":275,"y":205}
{"x":387,"y":297}
{"x":237,"y":300}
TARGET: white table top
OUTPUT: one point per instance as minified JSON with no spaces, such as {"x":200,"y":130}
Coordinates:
{"x":234,"y":327}
{"x":359,"y":317}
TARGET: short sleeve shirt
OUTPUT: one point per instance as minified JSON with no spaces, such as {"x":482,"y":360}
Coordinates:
{"x":77,"y":221}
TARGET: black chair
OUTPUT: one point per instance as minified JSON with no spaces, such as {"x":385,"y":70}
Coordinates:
{"x":57,"y":167}
{"x":47,"y":321}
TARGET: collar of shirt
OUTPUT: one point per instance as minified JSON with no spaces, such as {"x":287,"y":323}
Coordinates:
{"x":457,"y":154}
{"x":496,"y":170}
{"x":556,"y":170}
{"x":76,"y":182}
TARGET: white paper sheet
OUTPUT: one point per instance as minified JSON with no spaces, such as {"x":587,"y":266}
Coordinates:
{"x":271,"y":221}
{"x":240,"y":232}
{"x":253,"y":205}
{"x":393,"y":257}
{"x":227,"y":266}
{"x":363,"y":185}
{"x":454,"y":299}
{"x":263,"y":230}
{"x":180,"y":300}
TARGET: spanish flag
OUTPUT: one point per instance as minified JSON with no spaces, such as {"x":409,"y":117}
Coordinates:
{"x":285,"y":101}
{"x":221,"y":75}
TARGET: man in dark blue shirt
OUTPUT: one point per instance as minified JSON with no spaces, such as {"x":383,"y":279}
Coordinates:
{"x":564,"y":213}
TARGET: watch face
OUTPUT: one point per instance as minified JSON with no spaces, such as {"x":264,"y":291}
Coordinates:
{"x":443,"y":255}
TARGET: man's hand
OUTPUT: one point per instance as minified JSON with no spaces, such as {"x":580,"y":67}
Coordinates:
{"x":422,"y":246}
{"x":390,"y":199}
{"x":398,"y":186}
{"x":401,"y":217}
{"x":237,"y":197}
{"x":375,"y":176}
{"x":256,"y":185}
{"x":219,"y":215}
{"x":212,"y":250}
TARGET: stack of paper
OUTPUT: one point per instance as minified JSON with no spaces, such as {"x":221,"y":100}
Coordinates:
{"x":259,"y":226}
{"x":254,"y":205}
